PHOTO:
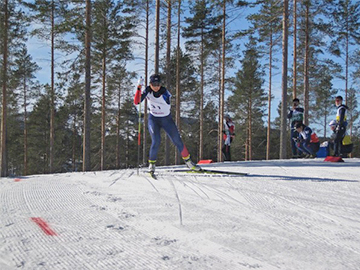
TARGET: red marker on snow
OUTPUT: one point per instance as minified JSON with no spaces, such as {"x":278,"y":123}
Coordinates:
{"x":44,"y":226}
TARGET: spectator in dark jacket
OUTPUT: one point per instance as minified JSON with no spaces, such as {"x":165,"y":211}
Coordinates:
{"x":346,"y":145}
{"x":341,"y":124}
{"x":295,"y":115}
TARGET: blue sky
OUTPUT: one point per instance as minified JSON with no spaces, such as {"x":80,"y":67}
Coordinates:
{"x":40,"y":50}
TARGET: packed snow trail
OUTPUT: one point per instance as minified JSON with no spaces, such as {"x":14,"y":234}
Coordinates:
{"x":293,"y":214}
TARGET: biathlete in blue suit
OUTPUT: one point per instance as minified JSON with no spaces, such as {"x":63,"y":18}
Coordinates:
{"x":159,"y":105}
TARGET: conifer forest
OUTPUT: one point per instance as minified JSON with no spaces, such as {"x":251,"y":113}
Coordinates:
{"x":69,"y":70}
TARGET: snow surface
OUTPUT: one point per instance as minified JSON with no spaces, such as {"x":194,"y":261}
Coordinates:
{"x":287,"y":214}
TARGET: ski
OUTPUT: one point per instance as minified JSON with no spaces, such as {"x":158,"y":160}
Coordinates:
{"x":210,"y":171}
{"x":225,"y":172}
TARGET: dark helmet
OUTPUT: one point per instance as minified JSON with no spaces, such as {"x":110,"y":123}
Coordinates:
{"x":298,"y":125}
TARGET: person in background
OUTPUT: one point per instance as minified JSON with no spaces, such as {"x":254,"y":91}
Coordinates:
{"x":158,"y":98}
{"x":341,"y":124}
{"x":229,"y":134}
{"x":307,"y":142}
{"x":346,"y":146}
{"x":296,"y":115}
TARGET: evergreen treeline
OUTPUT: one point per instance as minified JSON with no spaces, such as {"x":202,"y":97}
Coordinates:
{"x":215,"y":57}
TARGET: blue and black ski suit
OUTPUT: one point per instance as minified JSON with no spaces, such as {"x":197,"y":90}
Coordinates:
{"x":160,"y":117}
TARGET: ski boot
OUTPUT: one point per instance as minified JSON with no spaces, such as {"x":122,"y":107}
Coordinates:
{"x":152,"y":168}
{"x":191,"y":165}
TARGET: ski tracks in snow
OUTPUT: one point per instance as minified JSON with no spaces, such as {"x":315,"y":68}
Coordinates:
{"x":300,"y":212}
{"x":119,"y":220}
{"x":87,"y":236}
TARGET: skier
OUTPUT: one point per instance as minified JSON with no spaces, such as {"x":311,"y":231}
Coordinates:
{"x":229,"y":134}
{"x":341,"y":124}
{"x":158,"y":98}
{"x":307,"y":142}
{"x":295,"y":115}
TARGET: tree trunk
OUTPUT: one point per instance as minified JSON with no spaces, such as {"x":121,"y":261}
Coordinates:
{"x":295,"y":49}
{"x":146,"y":78}
{"x":306,"y":65}
{"x":25,"y":170}
{"x":250,"y":129}
{"x":118,"y":160}
{"x":157,"y":37}
{"x":201,"y":118}
{"x":177,"y":106}
{"x":103,"y":99}
{"x":346,"y":61}
{"x":283,"y":137}
{"x":222,"y":89}
{"x":87,"y":104}
{"x":52,"y":94}
{"x":269,"y":99}
{"x":219,"y":139}
{"x":103,"y":113}
{"x":168,"y":75}
{"x":325,"y":125}
{"x":3,"y":156}
{"x":74,"y":145}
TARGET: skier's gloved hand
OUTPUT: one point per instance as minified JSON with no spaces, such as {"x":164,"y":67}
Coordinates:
{"x":137,"y":97}
{"x":337,"y":128}
{"x":141,"y":82}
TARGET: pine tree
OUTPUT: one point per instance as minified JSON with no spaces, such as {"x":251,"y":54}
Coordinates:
{"x":74,"y":102}
{"x":353,"y":113}
{"x":113,"y":27}
{"x":13,"y":38}
{"x":4,"y":78}
{"x":283,"y":114}
{"x":268,"y":23}
{"x":323,"y":95}
{"x":116,"y":82}
{"x":345,"y":21}
{"x":27,"y":87}
{"x":178,"y":91}
{"x":248,"y":99}
{"x":202,"y":29}
{"x":50,"y":15}
{"x":182,"y":63}
{"x":39,"y":139}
